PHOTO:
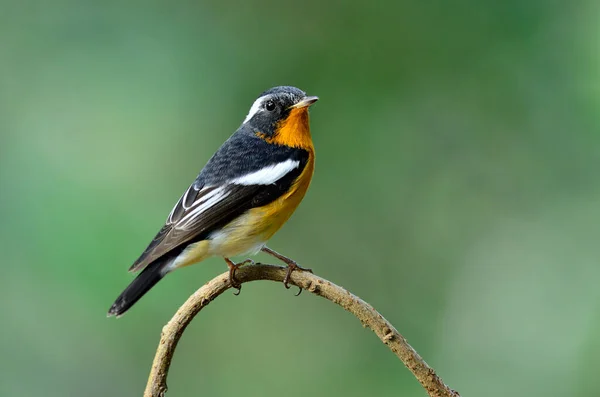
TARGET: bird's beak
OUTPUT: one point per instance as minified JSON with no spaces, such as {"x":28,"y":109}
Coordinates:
{"x":306,"y":102}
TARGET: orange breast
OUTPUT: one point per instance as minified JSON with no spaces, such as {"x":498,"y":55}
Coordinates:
{"x":272,"y":216}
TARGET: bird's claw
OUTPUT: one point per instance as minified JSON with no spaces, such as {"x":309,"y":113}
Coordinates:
{"x":291,"y":266}
{"x":232,"y":279}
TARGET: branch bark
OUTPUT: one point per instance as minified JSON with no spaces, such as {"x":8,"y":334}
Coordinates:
{"x":369,"y":317}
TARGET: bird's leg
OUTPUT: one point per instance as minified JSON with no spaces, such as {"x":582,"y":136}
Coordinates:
{"x":232,"y":268}
{"x":291,"y":266}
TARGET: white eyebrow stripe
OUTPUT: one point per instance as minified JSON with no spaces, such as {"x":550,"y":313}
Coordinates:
{"x":267,"y":175}
{"x":255,"y":108}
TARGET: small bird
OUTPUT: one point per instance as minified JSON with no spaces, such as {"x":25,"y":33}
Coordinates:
{"x":248,"y":189}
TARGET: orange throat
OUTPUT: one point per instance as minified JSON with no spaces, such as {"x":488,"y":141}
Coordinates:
{"x":294,"y":131}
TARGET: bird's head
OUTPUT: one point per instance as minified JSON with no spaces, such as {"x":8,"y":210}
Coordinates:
{"x":280,"y":115}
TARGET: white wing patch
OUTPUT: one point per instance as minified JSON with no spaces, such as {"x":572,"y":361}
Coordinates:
{"x":184,"y":198}
{"x":267,"y":175}
{"x":170,"y":217}
{"x":195,"y":203}
{"x":202,"y":205}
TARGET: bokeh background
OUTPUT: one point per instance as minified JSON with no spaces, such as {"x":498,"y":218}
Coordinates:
{"x":456,"y":190}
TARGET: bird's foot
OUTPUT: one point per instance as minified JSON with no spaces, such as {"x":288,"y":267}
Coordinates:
{"x":232,"y":268}
{"x":291,"y":266}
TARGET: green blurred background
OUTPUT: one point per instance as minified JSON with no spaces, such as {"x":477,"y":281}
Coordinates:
{"x":456,"y":190}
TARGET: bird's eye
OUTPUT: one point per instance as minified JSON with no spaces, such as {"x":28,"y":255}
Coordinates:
{"x":270,"y":106}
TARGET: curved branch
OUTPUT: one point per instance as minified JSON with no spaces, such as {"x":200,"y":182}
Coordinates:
{"x":369,"y":317}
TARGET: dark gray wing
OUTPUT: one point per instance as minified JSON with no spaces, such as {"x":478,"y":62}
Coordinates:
{"x":205,"y":207}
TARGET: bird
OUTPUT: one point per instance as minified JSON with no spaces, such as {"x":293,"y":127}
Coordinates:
{"x":243,"y":195}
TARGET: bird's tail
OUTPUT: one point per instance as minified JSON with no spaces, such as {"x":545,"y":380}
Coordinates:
{"x":151,"y":275}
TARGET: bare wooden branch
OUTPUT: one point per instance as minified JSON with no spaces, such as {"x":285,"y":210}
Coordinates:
{"x":369,"y":317}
